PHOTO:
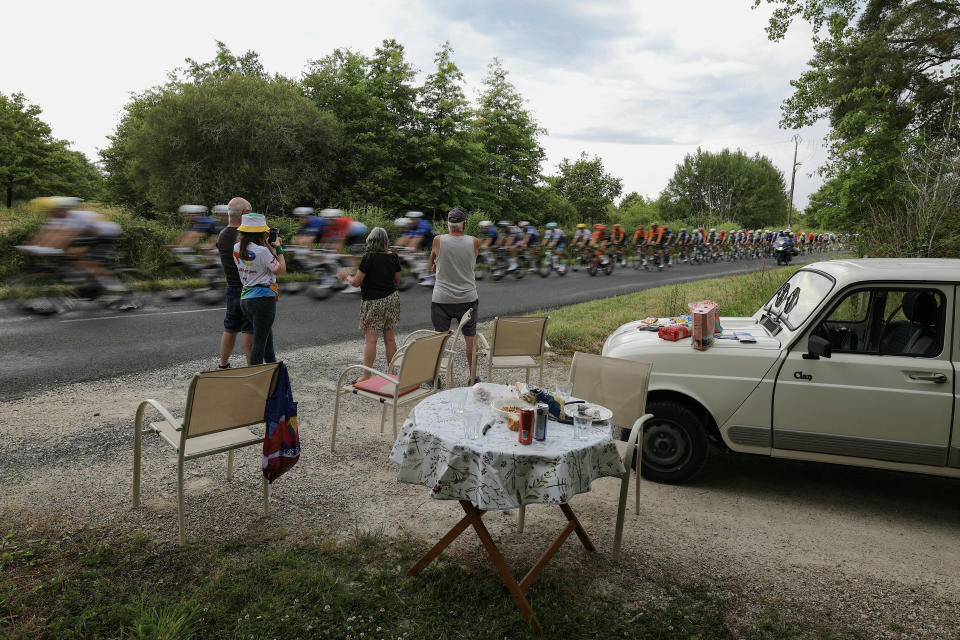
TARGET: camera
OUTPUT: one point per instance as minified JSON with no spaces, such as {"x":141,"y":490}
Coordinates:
{"x":273,"y":234}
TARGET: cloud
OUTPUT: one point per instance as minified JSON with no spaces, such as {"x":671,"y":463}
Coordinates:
{"x":618,"y":136}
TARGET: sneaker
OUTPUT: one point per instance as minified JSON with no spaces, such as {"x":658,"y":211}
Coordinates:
{"x":428,"y":281}
{"x":350,"y":289}
{"x":223,"y":366}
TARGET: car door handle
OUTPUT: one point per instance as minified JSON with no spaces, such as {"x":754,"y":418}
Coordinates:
{"x":939,"y":378}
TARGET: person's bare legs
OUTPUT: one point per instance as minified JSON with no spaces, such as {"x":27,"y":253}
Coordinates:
{"x":369,"y":351}
{"x":227,"y":342}
{"x":469,"y":340}
{"x":389,"y":344}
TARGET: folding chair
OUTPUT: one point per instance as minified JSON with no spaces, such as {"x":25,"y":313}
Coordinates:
{"x":420,"y":363}
{"x":446,"y":365}
{"x":220,"y":406}
{"x":516,"y":342}
{"x":621,"y":386}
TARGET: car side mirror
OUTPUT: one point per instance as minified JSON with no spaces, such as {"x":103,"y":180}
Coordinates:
{"x":817,"y":347}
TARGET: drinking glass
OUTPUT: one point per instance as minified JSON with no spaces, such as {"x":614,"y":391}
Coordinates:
{"x":563,"y":389}
{"x":473,"y":422}
{"x":458,"y":399}
{"x":581,"y":424}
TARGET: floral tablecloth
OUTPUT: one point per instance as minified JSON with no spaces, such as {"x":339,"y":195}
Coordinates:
{"x":495,"y":471}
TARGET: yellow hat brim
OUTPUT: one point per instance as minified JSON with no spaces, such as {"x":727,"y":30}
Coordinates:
{"x":247,"y":229}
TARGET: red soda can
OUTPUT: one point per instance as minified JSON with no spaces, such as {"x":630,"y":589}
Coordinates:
{"x":525,"y":433}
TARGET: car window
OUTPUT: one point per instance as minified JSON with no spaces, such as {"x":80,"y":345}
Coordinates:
{"x":887,"y":321}
{"x":798,"y":297}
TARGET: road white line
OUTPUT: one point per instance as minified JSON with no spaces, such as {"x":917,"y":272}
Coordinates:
{"x":145,"y":315}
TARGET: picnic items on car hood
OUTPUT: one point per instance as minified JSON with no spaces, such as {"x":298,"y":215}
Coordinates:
{"x":706,"y":323}
{"x":674,"y":332}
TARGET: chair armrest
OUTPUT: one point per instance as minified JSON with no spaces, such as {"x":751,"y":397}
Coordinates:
{"x":634,"y":439}
{"x":161,"y":410}
{"x":357,"y":366}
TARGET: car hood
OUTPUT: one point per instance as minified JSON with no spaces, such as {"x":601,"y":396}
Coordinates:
{"x":628,"y":338}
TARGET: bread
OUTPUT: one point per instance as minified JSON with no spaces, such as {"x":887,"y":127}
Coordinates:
{"x":513,"y":421}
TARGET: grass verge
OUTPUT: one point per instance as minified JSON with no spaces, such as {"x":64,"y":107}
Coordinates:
{"x":585,"y":326}
{"x":86,"y":585}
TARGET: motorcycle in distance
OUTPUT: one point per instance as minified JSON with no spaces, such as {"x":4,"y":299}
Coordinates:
{"x":783,"y":250}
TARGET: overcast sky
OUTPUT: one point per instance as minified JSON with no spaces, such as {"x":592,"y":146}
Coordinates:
{"x":638,"y":83}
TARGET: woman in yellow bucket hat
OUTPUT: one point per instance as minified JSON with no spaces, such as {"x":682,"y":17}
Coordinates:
{"x":259,"y":263}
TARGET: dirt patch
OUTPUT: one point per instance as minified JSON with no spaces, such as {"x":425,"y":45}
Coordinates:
{"x":872,"y":549}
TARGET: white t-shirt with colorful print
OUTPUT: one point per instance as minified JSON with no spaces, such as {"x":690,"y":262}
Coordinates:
{"x":256,"y":270}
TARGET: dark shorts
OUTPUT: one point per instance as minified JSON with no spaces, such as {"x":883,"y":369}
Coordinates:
{"x":236,"y":320}
{"x":442,"y":315}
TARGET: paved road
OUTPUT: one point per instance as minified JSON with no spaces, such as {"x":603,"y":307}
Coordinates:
{"x":93,"y":343}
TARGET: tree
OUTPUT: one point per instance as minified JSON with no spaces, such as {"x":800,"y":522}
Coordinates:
{"x":205,"y":142}
{"x":510,"y":137}
{"x":449,"y":158}
{"x":374,"y":100}
{"x":588,"y":187}
{"x":636,"y":209}
{"x":884,"y":73}
{"x":33,"y":162}
{"x":709,"y":188}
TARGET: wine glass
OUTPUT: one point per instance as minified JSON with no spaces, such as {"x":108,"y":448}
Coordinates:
{"x":563,"y":389}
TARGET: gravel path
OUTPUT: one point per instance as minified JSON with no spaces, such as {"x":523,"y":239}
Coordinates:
{"x":875,"y":550}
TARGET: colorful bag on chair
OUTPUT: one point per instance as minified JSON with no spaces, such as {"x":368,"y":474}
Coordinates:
{"x":281,"y":441}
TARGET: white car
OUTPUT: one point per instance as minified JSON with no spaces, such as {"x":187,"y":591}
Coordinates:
{"x":854,"y":363}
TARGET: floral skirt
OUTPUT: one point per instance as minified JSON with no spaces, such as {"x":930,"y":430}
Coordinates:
{"x":381,"y":314}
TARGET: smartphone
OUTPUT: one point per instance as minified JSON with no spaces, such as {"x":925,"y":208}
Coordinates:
{"x":273,"y":234}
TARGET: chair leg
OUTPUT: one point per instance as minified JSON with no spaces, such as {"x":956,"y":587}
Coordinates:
{"x":137,"y":438}
{"x":383,"y":416}
{"x":528,"y":375}
{"x":541,"y":371}
{"x":266,"y":497}
{"x":229,"y":465}
{"x":521,"y":516}
{"x":395,"y":420}
{"x":336,"y":416}
{"x":639,"y":455}
{"x":180,"y":514}
{"x":621,"y":509}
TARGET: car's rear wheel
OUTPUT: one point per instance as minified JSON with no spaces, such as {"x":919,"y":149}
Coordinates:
{"x":674,"y":443}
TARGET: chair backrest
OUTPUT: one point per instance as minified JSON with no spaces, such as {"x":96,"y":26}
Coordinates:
{"x":617,"y":384}
{"x":519,"y":336}
{"x":228,"y":398}
{"x":464,"y":319}
{"x":421,"y":360}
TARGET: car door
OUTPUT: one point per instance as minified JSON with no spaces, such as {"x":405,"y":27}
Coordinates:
{"x":886,"y":391}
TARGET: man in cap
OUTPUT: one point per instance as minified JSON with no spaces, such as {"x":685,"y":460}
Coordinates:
{"x":234,"y":321}
{"x":453,"y":258}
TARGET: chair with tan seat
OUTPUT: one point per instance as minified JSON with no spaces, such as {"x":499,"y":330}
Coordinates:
{"x":221,"y":405}
{"x":621,"y":386}
{"x":518,"y":343}
{"x":420,"y":364}
{"x":446,"y":365}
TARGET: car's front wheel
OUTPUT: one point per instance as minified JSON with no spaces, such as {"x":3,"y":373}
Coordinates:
{"x":674,"y":443}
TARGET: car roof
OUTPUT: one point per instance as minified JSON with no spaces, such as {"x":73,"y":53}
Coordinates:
{"x":890,"y":269}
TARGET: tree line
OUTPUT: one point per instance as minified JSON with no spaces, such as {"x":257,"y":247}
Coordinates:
{"x":357,"y":130}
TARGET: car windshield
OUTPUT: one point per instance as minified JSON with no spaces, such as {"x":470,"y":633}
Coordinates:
{"x":797,"y":298}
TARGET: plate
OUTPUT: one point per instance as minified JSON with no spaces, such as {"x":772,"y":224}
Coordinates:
{"x":602,"y":412}
{"x":508,"y":401}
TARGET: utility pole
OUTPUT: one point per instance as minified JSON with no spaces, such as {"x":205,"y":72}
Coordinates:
{"x":793,"y":175}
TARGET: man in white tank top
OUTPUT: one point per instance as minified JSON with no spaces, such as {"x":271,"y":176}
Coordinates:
{"x":454,"y":258}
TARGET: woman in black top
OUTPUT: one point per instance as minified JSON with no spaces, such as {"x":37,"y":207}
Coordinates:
{"x":378,"y":276}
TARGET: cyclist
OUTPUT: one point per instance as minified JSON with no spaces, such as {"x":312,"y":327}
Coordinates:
{"x":654,"y":241}
{"x":683,"y":242}
{"x":529,"y":239}
{"x":85,"y":236}
{"x":618,"y":238}
{"x":555,"y":241}
{"x":311,"y":227}
{"x":581,"y":237}
{"x":203,"y":229}
{"x":637,"y":244}
{"x":598,"y":243}
{"x":487,"y":234}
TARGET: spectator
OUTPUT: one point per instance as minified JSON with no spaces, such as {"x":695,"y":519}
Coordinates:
{"x":453,"y":258}
{"x":377,"y":276}
{"x":258,"y":264}
{"x":234,"y":321}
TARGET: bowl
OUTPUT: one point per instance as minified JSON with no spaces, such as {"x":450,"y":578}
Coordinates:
{"x":499,"y":405}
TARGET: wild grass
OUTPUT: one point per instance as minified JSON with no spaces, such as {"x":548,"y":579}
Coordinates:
{"x":85,"y":584}
{"x":585,"y":326}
